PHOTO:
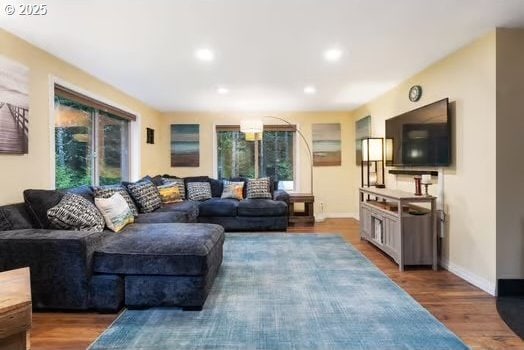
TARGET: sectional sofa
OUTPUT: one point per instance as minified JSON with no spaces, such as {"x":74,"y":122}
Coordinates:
{"x":168,"y":257}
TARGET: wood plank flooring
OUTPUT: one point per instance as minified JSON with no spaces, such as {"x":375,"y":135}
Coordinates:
{"x":466,"y":310}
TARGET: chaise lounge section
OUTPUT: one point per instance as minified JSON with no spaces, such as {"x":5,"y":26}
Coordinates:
{"x":146,"y":265}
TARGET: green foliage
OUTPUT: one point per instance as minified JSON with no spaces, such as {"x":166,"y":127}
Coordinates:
{"x":236,"y":157}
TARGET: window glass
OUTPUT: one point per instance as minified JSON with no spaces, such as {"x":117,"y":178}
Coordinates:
{"x":91,"y":146}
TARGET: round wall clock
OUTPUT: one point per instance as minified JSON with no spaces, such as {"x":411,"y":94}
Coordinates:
{"x":415,"y":92}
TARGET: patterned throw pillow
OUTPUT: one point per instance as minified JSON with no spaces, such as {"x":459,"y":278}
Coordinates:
{"x":259,"y":188}
{"x":74,"y":212}
{"x":145,"y":195}
{"x":179,"y":183}
{"x":169,"y":193}
{"x":109,"y":191}
{"x":233,"y":190}
{"x":198,"y":191}
{"x":116,"y":211}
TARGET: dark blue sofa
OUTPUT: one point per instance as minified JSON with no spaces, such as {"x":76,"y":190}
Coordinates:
{"x":168,"y":257}
{"x":243,"y":215}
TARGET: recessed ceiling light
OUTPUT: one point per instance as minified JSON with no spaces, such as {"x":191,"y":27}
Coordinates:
{"x":332,"y":55}
{"x":205,"y":55}
{"x":310,"y":90}
{"x":223,"y":91}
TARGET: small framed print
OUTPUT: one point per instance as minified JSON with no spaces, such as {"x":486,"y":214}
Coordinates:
{"x":150,"y":136}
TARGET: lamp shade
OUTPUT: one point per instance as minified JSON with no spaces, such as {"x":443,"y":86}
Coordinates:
{"x":372,"y":147}
{"x":253,"y":136}
{"x":251,"y":126}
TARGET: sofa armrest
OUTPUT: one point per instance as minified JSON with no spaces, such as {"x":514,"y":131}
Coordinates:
{"x":60,"y":263}
{"x":281,"y":195}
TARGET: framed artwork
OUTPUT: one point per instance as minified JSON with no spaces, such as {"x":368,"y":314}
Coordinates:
{"x":150,"y":136}
{"x":362,"y":131}
{"x":14,"y":107}
{"x":326,"y":145}
{"x":185,"y":145}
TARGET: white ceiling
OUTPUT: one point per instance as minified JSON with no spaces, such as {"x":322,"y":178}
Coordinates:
{"x":266,"y":51}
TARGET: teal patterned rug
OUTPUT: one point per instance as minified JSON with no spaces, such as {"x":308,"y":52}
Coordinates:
{"x":288,"y":291}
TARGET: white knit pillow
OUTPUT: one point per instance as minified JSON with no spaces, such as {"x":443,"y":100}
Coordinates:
{"x":116,"y":212}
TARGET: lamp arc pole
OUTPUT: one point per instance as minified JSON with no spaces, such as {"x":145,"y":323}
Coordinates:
{"x":310,"y":153}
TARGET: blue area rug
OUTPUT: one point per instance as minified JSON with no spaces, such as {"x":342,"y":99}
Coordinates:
{"x":285,"y":291}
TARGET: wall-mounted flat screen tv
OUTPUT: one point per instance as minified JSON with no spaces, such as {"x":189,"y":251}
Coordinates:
{"x":421,"y":137}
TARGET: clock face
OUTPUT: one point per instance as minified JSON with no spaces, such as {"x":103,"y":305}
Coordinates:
{"x":415,"y":93}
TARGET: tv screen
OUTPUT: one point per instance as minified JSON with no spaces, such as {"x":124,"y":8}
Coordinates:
{"x":421,"y":137}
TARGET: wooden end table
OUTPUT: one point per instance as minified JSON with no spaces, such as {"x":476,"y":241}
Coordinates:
{"x":15,"y":309}
{"x":308,"y":215}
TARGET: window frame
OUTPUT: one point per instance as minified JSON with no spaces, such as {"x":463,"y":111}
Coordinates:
{"x":99,"y":104}
{"x":269,"y":127}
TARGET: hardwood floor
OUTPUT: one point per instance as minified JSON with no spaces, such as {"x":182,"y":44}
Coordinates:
{"x":466,"y":310}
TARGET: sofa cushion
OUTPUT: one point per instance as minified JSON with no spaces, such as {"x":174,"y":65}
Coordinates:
{"x":261,"y":207}
{"x":241,"y":179}
{"x":189,"y":208}
{"x":158,"y":217}
{"x":189,"y":179}
{"x":108,"y":191}
{"x":198,"y":191}
{"x":217,"y":187}
{"x":160,"y":249}
{"x":218,"y":207}
{"x":259,"y":188}
{"x":169,"y":193}
{"x":38,"y":202}
{"x":116,"y":212}
{"x":74,"y":212}
{"x":179,"y":183}
{"x":233,"y":190}
{"x":85,"y":191}
{"x":146,"y":195}
{"x":14,"y":217}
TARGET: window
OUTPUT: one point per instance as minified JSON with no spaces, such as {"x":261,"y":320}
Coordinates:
{"x":273,"y":157}
{"x":91,"y":141}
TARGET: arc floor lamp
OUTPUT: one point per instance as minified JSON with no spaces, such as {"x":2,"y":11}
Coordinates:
{"x":253,"y":130}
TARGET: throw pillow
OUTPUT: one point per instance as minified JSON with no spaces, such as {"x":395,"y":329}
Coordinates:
{"x":110,"y":190}
{"x":233,"y":190}
{"x":198,"y":191}
{"x":259,"y":188}
{"x":169,"y":193}
{"x":145,"y":195}
{"x":179,"y":183}
{"x":14,"y":217}
{"x":74,"y":212}
{"x":116,"y":211}
{"x":38,"y":202}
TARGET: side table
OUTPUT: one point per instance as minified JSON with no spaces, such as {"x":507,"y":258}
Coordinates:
{"x":15,"y":309}
{"x":305,"y":217}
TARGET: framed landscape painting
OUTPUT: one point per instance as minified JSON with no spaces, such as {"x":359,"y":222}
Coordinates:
{"x":185,"y":145}
{"x":14,"y":107}
{"x":326,"y":145}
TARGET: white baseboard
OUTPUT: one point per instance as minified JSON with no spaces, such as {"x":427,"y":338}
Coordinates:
{"x":469,"y":276}
{"x":339,"y":215}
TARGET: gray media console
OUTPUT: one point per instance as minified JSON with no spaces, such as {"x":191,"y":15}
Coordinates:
{"x":400,"y":224}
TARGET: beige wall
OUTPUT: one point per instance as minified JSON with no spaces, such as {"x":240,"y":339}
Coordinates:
{"x":467,"y":77}
{"x":510,"y":147}
{"x":333,"y":185}
{"x":34,"y":170}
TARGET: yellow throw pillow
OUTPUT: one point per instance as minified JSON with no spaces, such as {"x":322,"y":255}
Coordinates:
{"x":116,"y":212}
{"x":233,"y":190}
{"x":170,"y":193}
